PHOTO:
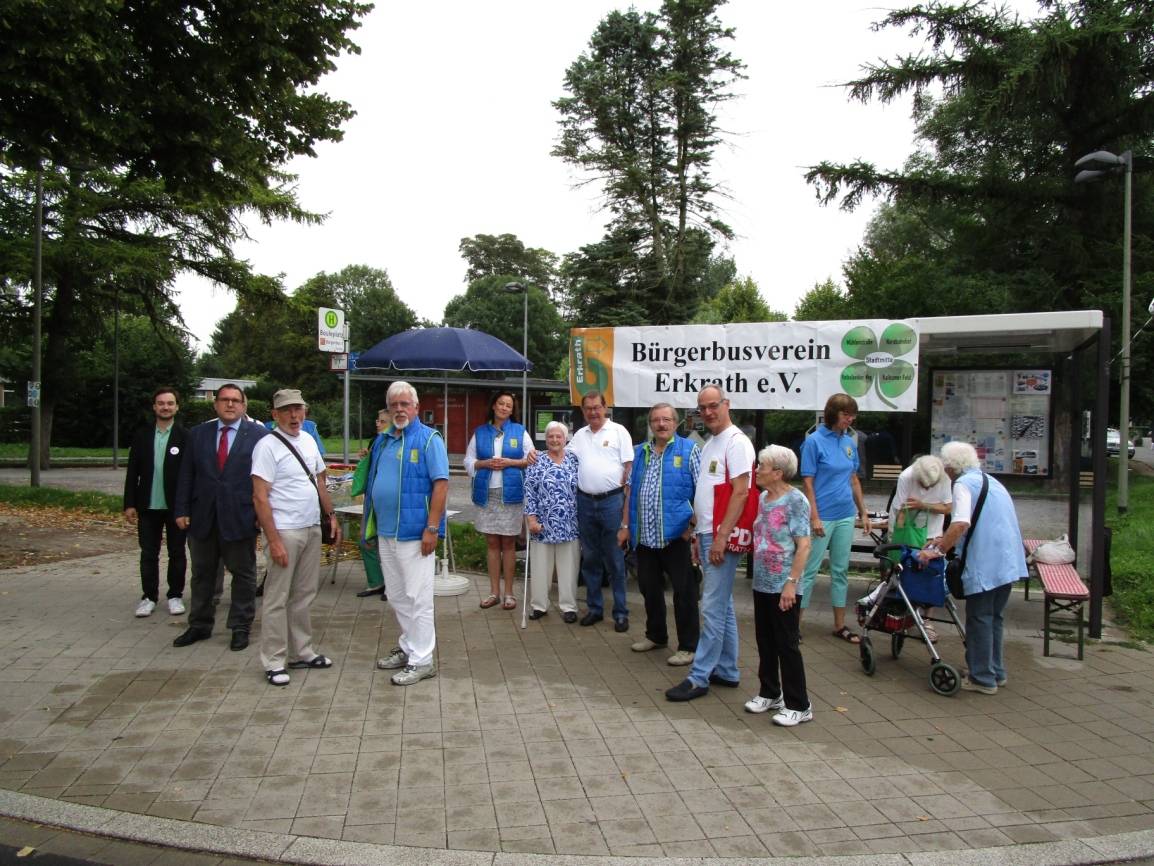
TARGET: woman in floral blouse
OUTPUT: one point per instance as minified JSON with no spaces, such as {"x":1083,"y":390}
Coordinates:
{"x":781,"y":539}
{"x":551,"y":511}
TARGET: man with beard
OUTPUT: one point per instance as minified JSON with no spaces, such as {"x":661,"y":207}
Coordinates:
{"x":405,"y":496}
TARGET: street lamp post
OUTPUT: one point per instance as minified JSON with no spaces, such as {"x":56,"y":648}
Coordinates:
{"x":522,"y":289}
{"x":1124,"y":165}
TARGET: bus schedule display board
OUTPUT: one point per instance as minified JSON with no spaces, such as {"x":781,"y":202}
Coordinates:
{"x":1004,"y":414}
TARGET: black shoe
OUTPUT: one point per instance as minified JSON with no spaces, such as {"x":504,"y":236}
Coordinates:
{"x":190,"y":637}
{"x":372,"y":590}
{"x":591,"y":618}
{"x":260,"y":590}
{"x":569,"y":616}
{"x":384,"y":596}
{"x":239,"y":640}
{"x":722,"y":681}
{"x":537,"y":614}
{"x":621,"y":625}
{"x":685,"y":691}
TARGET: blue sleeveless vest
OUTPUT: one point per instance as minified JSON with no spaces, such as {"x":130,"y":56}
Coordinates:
{"x":676,"y":489}
{"x":512,"y":480}
{"x":416,"y":487}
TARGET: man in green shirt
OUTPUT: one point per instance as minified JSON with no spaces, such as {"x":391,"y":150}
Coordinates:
{"x":149,"y":489}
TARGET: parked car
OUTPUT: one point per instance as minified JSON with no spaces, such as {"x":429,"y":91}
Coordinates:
{"x":1114,"y":443}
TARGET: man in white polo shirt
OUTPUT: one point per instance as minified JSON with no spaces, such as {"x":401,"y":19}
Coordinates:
{"x":288,"y":486}
{"x":605,"y":454}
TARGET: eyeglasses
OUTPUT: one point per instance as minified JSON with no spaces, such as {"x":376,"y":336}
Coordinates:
{"x":402,"y":404}
{"x":847,"y":414}
{"x":710,"y":407}
{"x":229,"y":400}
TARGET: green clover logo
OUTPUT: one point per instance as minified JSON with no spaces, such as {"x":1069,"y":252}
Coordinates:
{"x":878,"y":366}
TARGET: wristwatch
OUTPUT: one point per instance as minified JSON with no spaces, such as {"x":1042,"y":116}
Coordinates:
{"x":430,"y":529}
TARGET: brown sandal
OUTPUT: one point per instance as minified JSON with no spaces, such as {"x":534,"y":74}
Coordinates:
{"x":490,"y":602}
{"x":847,"y":635}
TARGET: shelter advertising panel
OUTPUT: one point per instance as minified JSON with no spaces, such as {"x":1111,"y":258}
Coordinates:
{"x":1004,"y":414}
{"x":761,"y":365}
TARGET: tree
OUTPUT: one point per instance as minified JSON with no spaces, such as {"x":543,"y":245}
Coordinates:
{"x":486,"y":306}
{"x":639,"y":118}
{"x":373,"y":309}
{"x":823,"y":303}
{"x":740,"y":301}
{"x":156,"y":129}
{"x":491,"y":255}
{"x":273,"y":336}
{"x":992,"y":187}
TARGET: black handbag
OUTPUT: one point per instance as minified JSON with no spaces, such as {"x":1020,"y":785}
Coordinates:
{"x":327,"y":536}
{"x":955,"y":567}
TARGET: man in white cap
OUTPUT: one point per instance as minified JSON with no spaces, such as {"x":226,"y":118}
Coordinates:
{"x":291,"y":500}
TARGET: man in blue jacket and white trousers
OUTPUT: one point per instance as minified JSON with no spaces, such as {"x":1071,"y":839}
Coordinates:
{"x":405,"y":496}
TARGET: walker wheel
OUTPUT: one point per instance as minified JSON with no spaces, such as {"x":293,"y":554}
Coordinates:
{"x":944,"y":679}
{"x":897,"y":641}
{"x":866,"y":650}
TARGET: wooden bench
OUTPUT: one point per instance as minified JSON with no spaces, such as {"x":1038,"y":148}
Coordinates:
{"x":1062,"y":592}
{"x":886,"y":471}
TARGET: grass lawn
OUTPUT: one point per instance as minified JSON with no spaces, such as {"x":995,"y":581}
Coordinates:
{"x":50,"y":497}
{"x":1132,"y":556}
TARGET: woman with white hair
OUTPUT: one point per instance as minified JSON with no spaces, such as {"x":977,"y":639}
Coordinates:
{"x":922,"y":498}
{"x":781,"y":540}
{"x":551,"y":512}
{"x":994,"y":559}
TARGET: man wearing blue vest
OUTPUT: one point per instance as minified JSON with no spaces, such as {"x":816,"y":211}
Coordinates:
{"x":660,"y":528}
{"x":405,"y":495}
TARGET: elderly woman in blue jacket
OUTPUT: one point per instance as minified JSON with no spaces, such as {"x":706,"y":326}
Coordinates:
{"x":995,"y":559}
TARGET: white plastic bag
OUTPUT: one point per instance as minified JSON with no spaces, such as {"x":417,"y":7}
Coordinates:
{"x":1056,"y":552}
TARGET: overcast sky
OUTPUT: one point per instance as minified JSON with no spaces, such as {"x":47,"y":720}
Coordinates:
{"x":455,"y":124}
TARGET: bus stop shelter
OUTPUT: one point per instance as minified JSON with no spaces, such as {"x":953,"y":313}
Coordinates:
{"x":1075,"y":339}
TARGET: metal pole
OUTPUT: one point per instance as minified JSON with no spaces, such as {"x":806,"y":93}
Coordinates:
{"x":525,"y":370}
{"x":38,"y":290}
{"x":116,"y":380}
{"x":347,"y":344}
{"x":1124,"y":399}
{"x":1098,"y":512}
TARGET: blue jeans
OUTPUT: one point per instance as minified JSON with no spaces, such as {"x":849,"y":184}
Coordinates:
{"x":717,"y":646}
{"x":597,"y":522}
{"x":984,"y":635}
{"x":838,"y":538}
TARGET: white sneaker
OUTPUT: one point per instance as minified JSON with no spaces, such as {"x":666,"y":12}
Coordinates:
{"x":645,"y":645}
{"x":681,"y":658}
{"x":412,"y":674}
{"x":759,"y":704}
{"x":968,"y":685}
{"x":396,"y":658}
{"x":146,"y":607}
{"x":789,"y":718}
{"x":175,"y":606}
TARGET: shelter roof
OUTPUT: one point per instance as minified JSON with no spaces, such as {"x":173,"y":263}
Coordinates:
{"x":1008,"y":332}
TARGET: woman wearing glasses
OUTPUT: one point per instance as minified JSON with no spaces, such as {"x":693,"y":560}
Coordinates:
{"x":829,"y":467}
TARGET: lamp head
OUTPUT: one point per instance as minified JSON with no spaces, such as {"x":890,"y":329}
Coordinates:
{"x":515,"y":288}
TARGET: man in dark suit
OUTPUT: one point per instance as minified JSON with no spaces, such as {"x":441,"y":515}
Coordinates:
{"x":149,"y":492}
{"x":214,"y":503}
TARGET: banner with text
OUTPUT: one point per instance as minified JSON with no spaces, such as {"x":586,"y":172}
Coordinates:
{"x":761,"y":365}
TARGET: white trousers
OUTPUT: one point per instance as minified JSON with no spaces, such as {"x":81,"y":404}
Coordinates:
{"x":409,"y":586}
{"x":566,"y":558}
{"x":286,"y":628}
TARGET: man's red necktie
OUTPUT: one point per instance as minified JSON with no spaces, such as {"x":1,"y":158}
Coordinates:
{"x":222,"y":449}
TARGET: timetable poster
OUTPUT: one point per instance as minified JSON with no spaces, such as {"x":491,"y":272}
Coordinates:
{"x":1004,"y":414}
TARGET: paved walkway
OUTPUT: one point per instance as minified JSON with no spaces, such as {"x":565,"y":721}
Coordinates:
{"x":555,"y":740}
{"x":551,"y":740}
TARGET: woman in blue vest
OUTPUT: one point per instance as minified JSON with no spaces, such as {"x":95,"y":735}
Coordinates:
{"x":496,"y":459}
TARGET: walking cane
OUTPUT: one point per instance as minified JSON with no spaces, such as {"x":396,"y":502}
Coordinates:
{"x":525,"y":597}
